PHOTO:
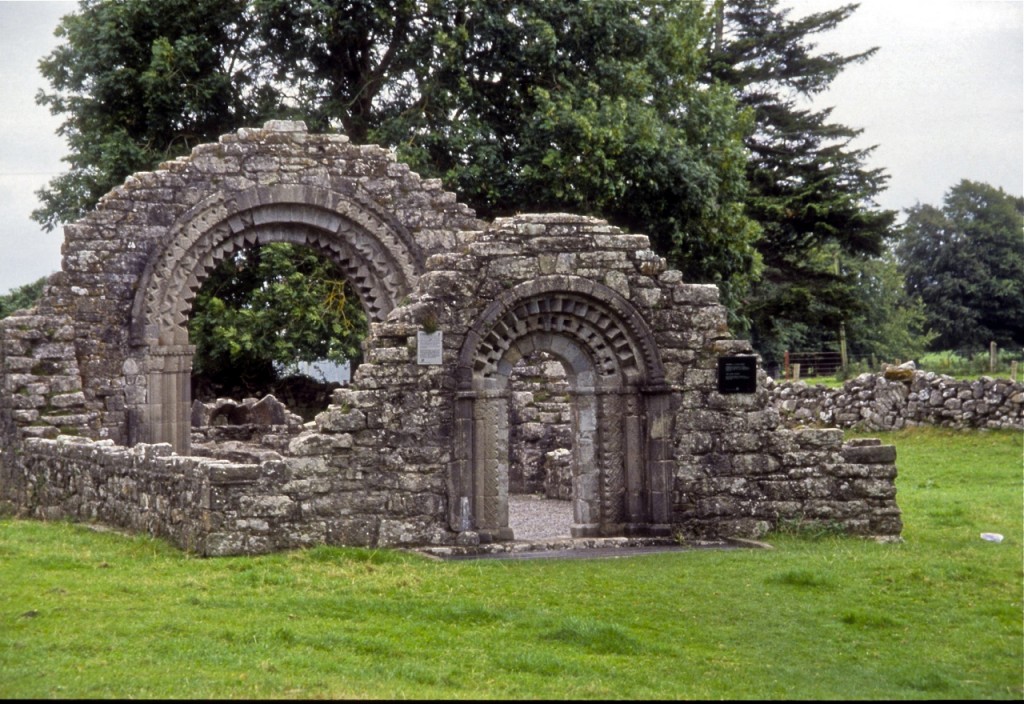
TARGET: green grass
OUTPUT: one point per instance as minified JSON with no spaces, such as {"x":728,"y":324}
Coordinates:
{"x":969,"y":366}
{"x":948,"y":363}
{"x":832,"y":382}
{"x":939,"y":616}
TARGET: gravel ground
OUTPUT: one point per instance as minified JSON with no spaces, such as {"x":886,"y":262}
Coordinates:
{"x":532,"y":517}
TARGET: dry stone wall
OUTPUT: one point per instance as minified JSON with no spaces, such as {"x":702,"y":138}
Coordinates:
{"x":895,"y":400}
{"x":42,"y":392}
{"x":96,"y":417}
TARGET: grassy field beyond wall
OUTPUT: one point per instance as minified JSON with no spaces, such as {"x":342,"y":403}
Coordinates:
{"x":88,"y":614}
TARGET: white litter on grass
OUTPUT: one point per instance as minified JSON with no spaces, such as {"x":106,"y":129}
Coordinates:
{"x":992,"y":537}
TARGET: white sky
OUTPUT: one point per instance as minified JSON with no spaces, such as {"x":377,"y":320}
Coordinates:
{"x":943,"y":99}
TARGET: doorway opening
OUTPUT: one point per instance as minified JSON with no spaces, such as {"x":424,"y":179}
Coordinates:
{"x":620,"y":458}
{"x":540,"y":449}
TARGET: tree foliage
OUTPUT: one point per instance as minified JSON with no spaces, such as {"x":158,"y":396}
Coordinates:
{"x":966,"y":262}
{"x":140,"y":82}
{"x":890,"y":324}
{"x":274,"y":303}
{"x":22,"y":297}
{"x":632,"y":110}
{"x":808,"y":187}
{"x":593,"y":107}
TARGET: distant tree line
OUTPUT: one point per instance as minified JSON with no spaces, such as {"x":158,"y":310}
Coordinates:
{"x":965,"y":262}
{"x":683,"y":120}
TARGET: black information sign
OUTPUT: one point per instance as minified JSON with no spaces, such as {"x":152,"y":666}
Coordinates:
{"x":737,"y":375}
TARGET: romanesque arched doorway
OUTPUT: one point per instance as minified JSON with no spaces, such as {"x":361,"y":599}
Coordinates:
{"x":620,"y":409}
{"x":379,"y":258}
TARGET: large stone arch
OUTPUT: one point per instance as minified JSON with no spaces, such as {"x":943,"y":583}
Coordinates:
{"x":621,"y":416}
{"x":381,"y":259}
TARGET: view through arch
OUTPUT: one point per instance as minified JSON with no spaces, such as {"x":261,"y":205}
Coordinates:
{"x":262,"y":310}
{"x":541,"y":433}
{"x":380,"y":264}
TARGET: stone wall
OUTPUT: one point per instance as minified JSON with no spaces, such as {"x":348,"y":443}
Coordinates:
{"x":41,"y":386}
{"x":325,"y":489}
{"x":335,"y":482}
{"x":415,"y":451}
{"x":747,"y":485}
{"x":903,"y":398}
{"x":540,"y":423}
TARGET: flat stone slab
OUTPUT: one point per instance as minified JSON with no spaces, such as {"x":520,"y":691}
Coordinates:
{"x":581,"y":548}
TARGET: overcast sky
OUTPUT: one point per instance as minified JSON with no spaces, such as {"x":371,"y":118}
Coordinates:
{"x":943,"y":99}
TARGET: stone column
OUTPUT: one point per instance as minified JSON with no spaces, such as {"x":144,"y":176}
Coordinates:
{"x":490,"y":460}
{"x":167,"y":411}
{"x":636,"y":463}
{"x":586,"y":479}
{"x":659,"y":458}
{"x":612,"y":418}
{"x":460,"y":473}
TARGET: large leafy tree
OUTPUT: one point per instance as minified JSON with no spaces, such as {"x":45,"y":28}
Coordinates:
{"x":595,"y":107}
{"x":966,"y":262}
{"x":143,"y":81}
{"x":353,"y":64}
{"x":810,"y":190}
{"x":536,"y":104}
{"x":592,"y":107}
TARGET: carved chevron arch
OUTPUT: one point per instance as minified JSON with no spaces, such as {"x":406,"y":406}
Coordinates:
{"x":619,"y":397}
{"x":568,"y":316}
{"x":379,"y":257}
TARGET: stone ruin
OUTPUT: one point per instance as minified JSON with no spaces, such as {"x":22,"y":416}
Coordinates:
{"x":670,"y":430}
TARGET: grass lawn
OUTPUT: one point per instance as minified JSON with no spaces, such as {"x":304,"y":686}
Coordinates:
{"x":939,"y":616}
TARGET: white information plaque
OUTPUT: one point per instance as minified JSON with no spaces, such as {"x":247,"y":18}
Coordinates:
{"x":428,"y":347}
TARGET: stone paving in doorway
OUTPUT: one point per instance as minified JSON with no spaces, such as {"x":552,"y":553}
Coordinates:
{"x":541,"y":527}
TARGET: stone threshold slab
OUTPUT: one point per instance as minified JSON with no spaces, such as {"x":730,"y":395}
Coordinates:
{"x":582,"y":548}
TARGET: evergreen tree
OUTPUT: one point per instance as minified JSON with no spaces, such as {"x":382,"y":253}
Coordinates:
{"x":808,"y":188}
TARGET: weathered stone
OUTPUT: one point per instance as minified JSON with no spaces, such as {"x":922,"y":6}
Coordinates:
{"x":871,"y":454}
{"x":339,"y":420}
{"x":574,"y":364}
{"x":311,"y":444}
{"x":874,"y":402}
{"x":902,"y":372}
{"x":269,"y":411}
